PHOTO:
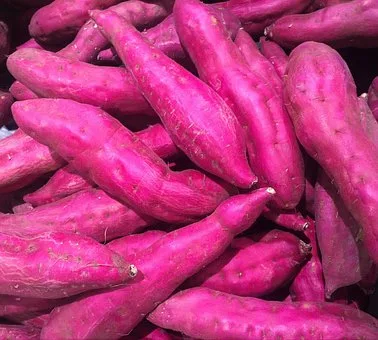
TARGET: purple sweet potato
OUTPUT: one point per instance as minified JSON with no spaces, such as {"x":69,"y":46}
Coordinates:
{"x":308,"y":285}
{"x":89,"y":212}
{"x":61,"y":19}
{"x":22,"y":160}
{"x":350,"y":24}
{"x":249,"y":268}
{"x":6,"y":100}
{"x":49,"y":75}
{"x":322,"y":101}
{"x":344,"y":259}
{"x":272,"y":147}
{"x":275,"y":54}
{"x":200,"y":124}
{"x":178,"y":255}
{"x":18,"y":332}
{"x":104,"y":155}
{"x":290,"y":219}
{"x":4,"y":41}
{"x":373,"y":97}
{"x":55,"y":265}
{"x":203,"y":313}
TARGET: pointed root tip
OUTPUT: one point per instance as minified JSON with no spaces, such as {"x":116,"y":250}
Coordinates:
{"x":271,"y":191}
{"x":133,"y":270}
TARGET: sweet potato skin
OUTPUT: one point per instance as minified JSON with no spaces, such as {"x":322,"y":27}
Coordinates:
{"x":250,"y":268}
{"x":336,"y":114}
{"x":250,"y":318}
{"x":272,"y":147}
{"x":373,"y":97}
{"x":88,"y":150}
{"x":178,"y":255}
{"x":44,"y":266}
{"x":350,"y":24}
{"x":17,"y":332}
{"x":275,"y":54}
{"x":290,"y":219}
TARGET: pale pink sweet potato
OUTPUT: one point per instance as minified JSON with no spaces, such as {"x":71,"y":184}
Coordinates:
{"x":272,"y":147}
{"x":6,"y":100}
{"x":322,"y":101}
{"x":203,"y":313}
{"x":55,"y":265}
{"x":89,"y":212}
{"x":61,"y":19}
{"x":22,"y":160}
{"x":50,"y":75}
{"x":200,"y":124}
{"x":105,"y":155}
{"x":250,"y":268}
{"x":21,"y":208}
{"x":350,"y":24}
{"x":275,"y":54}
{"x":18,"y":332}
{"x":177,"y":255}
{"x":4,"y":41}
{"x":373,"y":97}
{"x":290,"y":219}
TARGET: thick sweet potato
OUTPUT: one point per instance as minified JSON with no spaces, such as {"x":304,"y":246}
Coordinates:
{"x":4,"y":41}
{"x":178,"y":255}
{"x":104,"y":155}
{"x":55,"y":265}
{"x":6,"y":100}
{"x":203,"y":313}
{"x":373,"y":97}
{"x":200,"y":124}
{"x":350,"y":24}
{"x":322,"y":101}
{"x":89,"y":212}
{"x":272,"y":147}
{"x":18,"y":332}
{"x":250,"y":268}
{"x":275,"y":54}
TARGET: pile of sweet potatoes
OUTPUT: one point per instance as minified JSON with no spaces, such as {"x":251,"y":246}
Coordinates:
{"x":174,"y":169}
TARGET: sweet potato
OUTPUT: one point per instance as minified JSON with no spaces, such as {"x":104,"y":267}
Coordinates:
{"x":49,"y":75}
{"x":272,"y":147}
{"x":163,"y":194}
{"x":373,"y":97}
{"x":335,"y":113}
{"x":21,"y":92}
{"x":275,"y":54}
{"x":31,"y":43}
{"x":317,"y":4}
{"x":147,"y":331}
{"x":89,"y":212}
{"x":290,"y":219}
{"x":350,"y":24}
{"x":178,"y":255}
{"x":202,"y":125}
{"x":207,"y":314}
{"x":249,"y":268}
{"x":33,"y":319}
{"x":4,"y":41}
{"x":18,"y":332}
{"x":55,"y":265}
{"x":61,"y":19}
{"x":6,"y":100}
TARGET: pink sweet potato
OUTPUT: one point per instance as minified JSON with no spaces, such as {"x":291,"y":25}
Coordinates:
{"x":201,"y":124}
{"x":147,"y":331}
{"x":32,"y":319}
{"x":49,"y":75}
{"x":61,"y":19}
{"x":350,"y":24}
{"x":178,"y":255}
{"x":249,"y":268}
{"x":4,"y":41}
{"x":275,"y":54}
{"x":6,"y":100}
{"x":18,"y":332}
{"x":22,"y":160}
{"x":272,"y":147}
{"x":104,"y":155}
{"x":203,"y":313}
{"x":21,"y":92}
{"x":322,"y":101}
{"x":89,"y":212}
{"x":373,"y":97}
{"x":55,"y":265}
{"x":290,"y":219}
{"x":31,"y":43}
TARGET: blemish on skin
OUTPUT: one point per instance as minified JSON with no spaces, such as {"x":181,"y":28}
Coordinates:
{"x":214,"y":20}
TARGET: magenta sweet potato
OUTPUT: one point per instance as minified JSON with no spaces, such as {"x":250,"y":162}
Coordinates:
{"x":350,"y":24}
{"x":250,"y":268}
{"x":322,"y":101}
{"x":90,"y":212}
{"x":55,"y":265}
{"x":104,"y":155}
{"x":21,"y":92}
{"x":290,"y":219}
{"x":272,"y":147}
{"x":4,"y":41}
{"x":6,"y":100}
{"x":373,"y":97}
{"x":275,"y":54}
{"x":18,"y":332}
{"x":203,"y":313}
{"x":177,"y":255}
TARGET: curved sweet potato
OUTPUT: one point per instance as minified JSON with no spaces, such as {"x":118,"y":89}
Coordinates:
{"x":275,"y":54}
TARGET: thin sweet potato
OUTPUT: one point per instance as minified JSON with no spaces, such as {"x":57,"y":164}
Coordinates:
{"x":200,"y":124}
{"x":272,"y":146}
{"x":290,"y":219}
{"x":350,"y":24}
{"x":6,"y":100}
{"x":178,"y":255}
{"x":104,"y":155}
{"x":203,"y":313}
{"x":250,"y":268}
{"x":322,"y":101}
{"x":18,"y":332}
{"x":55,"y":265}
{"x":275,"y":54}
{"x":373,"y":97}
